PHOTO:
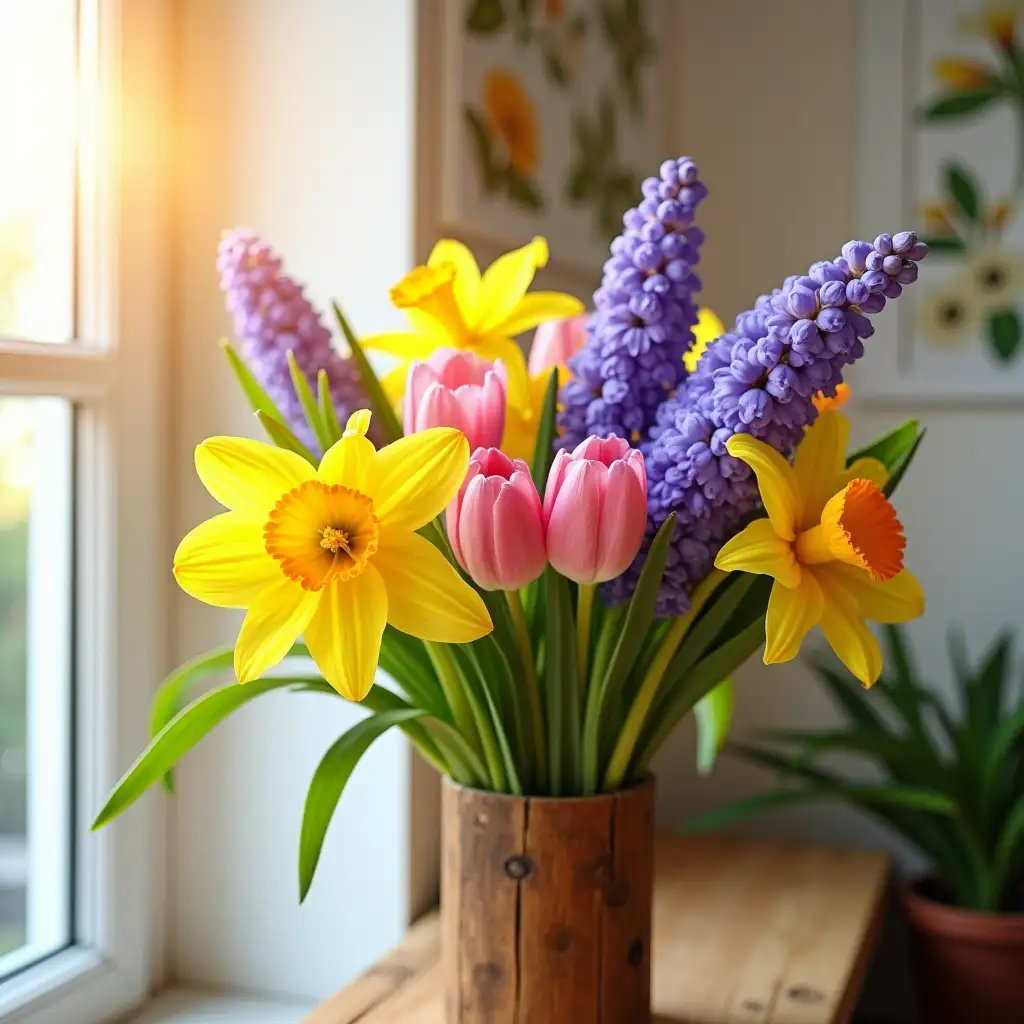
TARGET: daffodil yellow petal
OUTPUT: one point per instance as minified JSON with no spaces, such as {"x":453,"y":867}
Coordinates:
{"x":864,"y":469}
{"x":393,"y":384}
{"x":505,"y":283}
{"x":344,"y":635}
{"x":418,"y":476}
{"x":248,"y":476}
{"x":467,"y":274}
{"x":405,"y":345}
{"x":351,"y":462}
{"x":517,"y":378}
{"x":818,"y":462}
{"x":427,"y":598}
{"x":780,"y":493}
{"x":224,"y":561}
{"x":899,"y":599}
{"x":844,"y":629}
{"x":759,"y":549}
{"x":535,"y":308}
{"x":358,"y":423}
{"x":275,"y":620}
{"x":792,"y":613}
{"x":708,"y":329}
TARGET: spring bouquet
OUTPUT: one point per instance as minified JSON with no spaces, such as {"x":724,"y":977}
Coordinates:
{"x":552,"y":558}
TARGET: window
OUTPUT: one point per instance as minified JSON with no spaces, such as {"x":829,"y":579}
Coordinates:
{"x":82,"y":296}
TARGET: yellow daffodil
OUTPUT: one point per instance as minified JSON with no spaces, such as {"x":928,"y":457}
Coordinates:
{"x":832,"y":543}
{"x":708,"y":328}
{"x":962,"y":75}
{"x":823,"y":403}
{"x":449,"y":303}
{"x":331,"y":552}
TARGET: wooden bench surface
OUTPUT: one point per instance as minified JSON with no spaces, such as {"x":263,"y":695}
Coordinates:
{"x":745,"y":932}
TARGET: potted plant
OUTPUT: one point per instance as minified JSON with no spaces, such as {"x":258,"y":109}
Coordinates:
{"x":544,"y":626}
{"x":952,"y":785}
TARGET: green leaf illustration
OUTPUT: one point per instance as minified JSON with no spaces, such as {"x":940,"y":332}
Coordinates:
{"x":961,"y":104}
{"x":522,"y":191}
{"x":490,"y":175}
{"x":963,"y":191}
{"x":485,"y":17}
{"x":580,"y":183}
{"x":948,"y":244}
{"x":1004,"y":334}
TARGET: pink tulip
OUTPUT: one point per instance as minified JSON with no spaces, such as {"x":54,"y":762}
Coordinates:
{"x":555,"y":341}
{"x":495,"y":525}
{"x":595,"y":509}
{"x":457,"y":389}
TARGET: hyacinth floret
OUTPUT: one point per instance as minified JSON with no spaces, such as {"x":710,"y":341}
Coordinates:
{"x":273,"y":315}
{"x":644,"y":314}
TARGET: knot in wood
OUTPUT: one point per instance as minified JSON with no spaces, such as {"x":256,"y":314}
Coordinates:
{"x":519,"y":867}
{"x":805,"y":995}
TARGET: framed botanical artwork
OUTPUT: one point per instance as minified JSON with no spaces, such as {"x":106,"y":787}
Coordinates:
{"x":552,"y":112}
{"x":943,"y":152}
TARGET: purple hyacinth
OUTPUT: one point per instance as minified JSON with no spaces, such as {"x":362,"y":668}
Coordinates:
{"x":759,"y":379}
{"x":644,"y":314}
{"x":272,"y":316}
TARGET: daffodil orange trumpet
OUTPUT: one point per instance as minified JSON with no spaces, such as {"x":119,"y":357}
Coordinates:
{"x":831,"y":541}
{"x":333,"y":552}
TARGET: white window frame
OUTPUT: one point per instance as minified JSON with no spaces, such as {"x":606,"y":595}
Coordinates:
{"x":116,"y":374}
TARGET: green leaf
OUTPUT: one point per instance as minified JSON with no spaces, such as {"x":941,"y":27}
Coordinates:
{"x":404,"y":659}
{"x":544,"y":448}
{"x":963,"y":191}
{"x":960,"y":105}
{"x":1004,"y":334}
{"x":523,"y":192}
{"x":713,"y":714}
{"x":561,"y":689}
{"x":902,"y":465}
{"x":986,"y":692}
{"x":328,"y":414}
{"x":485,"y":17}
{"x":380,"y":698}
{"x":852,"y":698}
{"x":388,"y":425}
{"x":481,"y":140}
{"x":308,"y":401}
{"x":258,"y":398}
{"x":329,"y":781}
{"x":284,"y":438}
{"x":891,"y":447}
{"x":1001,"y":746}
{"x":1008,"y":853}
{"x":580,"y":184}
{"x":183,"y":732}
{"x":939,"y":245}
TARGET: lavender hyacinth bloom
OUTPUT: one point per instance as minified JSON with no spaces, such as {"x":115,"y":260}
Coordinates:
{"x":644,"y":314}
{"x":759,"y":379}
{"x":272,"y":316}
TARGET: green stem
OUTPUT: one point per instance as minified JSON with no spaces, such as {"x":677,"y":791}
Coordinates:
{"x":607,"y":638}
{"x":462,"y":715}
{"x":622,"y":755}
{"x":584,"y":617}
{"x":515,"y":607}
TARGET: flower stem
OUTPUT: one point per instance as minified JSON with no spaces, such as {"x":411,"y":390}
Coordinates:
{"x":625,"y":747}
{"x":462,"y":714}
{"x":515,"y":607}
{"x":584,"y":617}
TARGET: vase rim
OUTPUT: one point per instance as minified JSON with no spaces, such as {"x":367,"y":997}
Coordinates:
{"x":647,"y":782}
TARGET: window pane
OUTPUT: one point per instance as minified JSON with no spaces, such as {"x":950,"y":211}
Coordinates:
{"x":35,"y":678}
{"x":37,"y":138}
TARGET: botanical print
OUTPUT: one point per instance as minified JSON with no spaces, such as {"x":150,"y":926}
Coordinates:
{"x":626,"y":32}
{"x":964,"y":223}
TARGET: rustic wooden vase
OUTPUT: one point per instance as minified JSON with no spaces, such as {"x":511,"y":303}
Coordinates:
{"x":546,"y":907}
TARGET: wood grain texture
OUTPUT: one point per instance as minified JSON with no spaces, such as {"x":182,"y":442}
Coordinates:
{"x":744,"y":931}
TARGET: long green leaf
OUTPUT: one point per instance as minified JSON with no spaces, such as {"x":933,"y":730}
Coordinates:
{"x":308,"y":401}
{"x":484,"y":680}
{"x":329,"y":781}
{"x":544,"y":449}
{"x":561,"y":690}
{"x":389,"y":427}
{"x":1009,"y":853}
{"x":889,"y":448}
{"x":380,"y":698}
{"x":284,"y":438}
{"x":852,"y":699}
{"x":901,"y":465}
{"x":328,"y":414}
{"x":404,"y":658}
{"x":183,"y":732}
{"x":713,"y":715}
{"x":251,"y":387}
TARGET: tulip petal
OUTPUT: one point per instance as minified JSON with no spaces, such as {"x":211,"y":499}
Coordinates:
{"x":818,"y":461}
{"x":780,"y":493}
{"x":844,"y":629}
{"x":405,"y":345}
{"x":440,"y":407}
{"x":899,"y":599}
{"x":757,"y":548}
{"x":519,"y":553}
{"x":273,"y":623}
{"x":344,"y":635}
{"x":248,"y":476}
{"x":419,"y":476}
{"x":505,"y":283}
{"x":224,"y":562}
{"x":574,"y":521}
{"x":623,"y":521}
{"x":466,"y":284}
{"x":351,"y":462}
{"x":792,"y":613}
{"x":426,"y":596}
{"x":537,"y":307}
{"x":475,"y":546}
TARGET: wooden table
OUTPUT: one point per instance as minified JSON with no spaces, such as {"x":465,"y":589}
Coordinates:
{"x":744,"y":933}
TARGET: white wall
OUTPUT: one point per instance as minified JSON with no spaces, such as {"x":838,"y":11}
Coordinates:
{"x":296,"y":118}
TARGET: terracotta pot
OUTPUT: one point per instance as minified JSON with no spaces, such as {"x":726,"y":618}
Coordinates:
{"x":546,"y":907}
{"x":970,"y":965}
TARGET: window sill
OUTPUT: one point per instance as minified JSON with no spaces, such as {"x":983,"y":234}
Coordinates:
{"x":183,"y":1006}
